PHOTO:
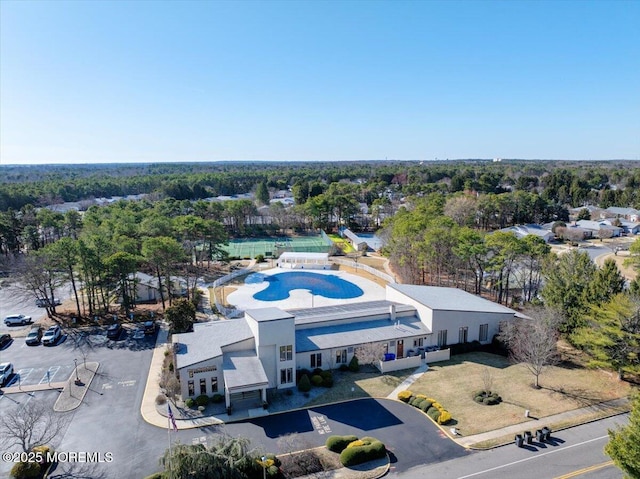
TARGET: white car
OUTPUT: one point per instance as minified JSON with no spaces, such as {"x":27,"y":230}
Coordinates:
{"x":17,"y":319}
{"x":52,"y":335}
{"x":6,"y":370}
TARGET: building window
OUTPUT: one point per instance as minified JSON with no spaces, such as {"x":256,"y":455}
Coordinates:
{"x":192,"y":388}
{"x":203,"y":386}
{"x":316,"y":360}
{"x":341,"y":356}
{"x":463,"y":334}
{"x":442,"y":338}
{"x":286,"y":376}
{"x":484,"y":332}
{"x":418,"y":342}
{"x":214,"y":384}
{"x":286,"y":353}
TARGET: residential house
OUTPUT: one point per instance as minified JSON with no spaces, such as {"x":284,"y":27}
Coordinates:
{"x":531,"y":229}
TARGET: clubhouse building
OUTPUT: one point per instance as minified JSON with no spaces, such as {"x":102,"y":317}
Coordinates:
{"x":243,"y":358}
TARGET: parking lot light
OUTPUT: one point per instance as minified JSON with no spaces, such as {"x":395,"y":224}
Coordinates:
{"x":75,"y":361}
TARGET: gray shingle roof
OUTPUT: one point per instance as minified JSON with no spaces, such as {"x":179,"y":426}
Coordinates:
{"x":349,"y":334}
{"x":243,"y":369}
{"x":207,"y":340}
{"x":268,"y":314}
{"x":449,"y":299}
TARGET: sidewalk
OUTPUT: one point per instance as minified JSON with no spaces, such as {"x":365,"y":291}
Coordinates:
{"x":617,"y":406}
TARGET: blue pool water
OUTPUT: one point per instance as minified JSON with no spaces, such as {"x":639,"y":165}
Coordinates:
{"x":327,"y":285}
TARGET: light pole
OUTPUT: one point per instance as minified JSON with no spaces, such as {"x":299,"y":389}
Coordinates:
{"x":75,"y":361}
{"x":264,"y":467}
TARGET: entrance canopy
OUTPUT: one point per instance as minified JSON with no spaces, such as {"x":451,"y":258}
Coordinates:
{"x":243,"y":372}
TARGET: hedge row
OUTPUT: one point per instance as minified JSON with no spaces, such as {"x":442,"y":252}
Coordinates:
{"x":430,"y":406}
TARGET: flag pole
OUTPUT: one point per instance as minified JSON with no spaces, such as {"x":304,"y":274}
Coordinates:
{"x":169,"y":437}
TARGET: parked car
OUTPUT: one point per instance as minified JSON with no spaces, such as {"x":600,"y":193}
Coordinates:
{"x":42,"y":303}
{"x":4,"y":340}
{"x":6,"y":370}
{"x":113,"y":331}
{"x":52,"y":335}
{"x":149,"y":327}
{"x":34,"y":336}
{"x":17,"y":320}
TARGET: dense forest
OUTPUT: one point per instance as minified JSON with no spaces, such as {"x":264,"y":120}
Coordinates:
{"x":567,"y":183}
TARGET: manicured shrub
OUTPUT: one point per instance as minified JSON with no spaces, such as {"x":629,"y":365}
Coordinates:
{"x":316,"y":380}
{"x":356,"y":443}
{"x":217,"y":398}
{"x":317,"y":371}
{"x":339,"y":443}
{"x":487,"y":398}
{"x":202,"y":400}
{"x":370,"y":450}
{"x":327,"y":379}
{"x":414,"y":400}
{"x":421,"y":396}
{"x":189,"y":402}
{"x":425,"y":405}
{"x":343,"y":367}
{"x":434,"y":413}
{"x":25,"y":470}
{"x":445,"y":417}
{"x":354,"y":365}
{"x":405,"y":396}
{"x":302,"y":372}
{"x":259,"y":258}
{"x":304,"y":385}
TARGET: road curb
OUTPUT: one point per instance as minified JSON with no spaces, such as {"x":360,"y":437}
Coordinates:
{"x":76,"y":387}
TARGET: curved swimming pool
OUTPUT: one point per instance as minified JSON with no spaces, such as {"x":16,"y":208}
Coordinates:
{"x":327,"y":285}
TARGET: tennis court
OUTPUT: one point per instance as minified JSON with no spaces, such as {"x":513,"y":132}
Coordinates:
{"x":274,"y":247}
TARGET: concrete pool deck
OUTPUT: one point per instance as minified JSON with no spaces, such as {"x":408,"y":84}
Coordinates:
{"x":243,"y":298}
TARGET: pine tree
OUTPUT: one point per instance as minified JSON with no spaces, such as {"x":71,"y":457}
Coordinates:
{"x":624,"y":443}
{"x":606,"y":283}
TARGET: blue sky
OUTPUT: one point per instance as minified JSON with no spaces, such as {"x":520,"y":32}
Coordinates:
{"x":98,"y":81}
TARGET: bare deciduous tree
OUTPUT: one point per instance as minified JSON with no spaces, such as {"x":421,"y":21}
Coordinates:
{"x":487,"y":380}
{"x":298,"y":456}
{"x":370,"y":353}
{"x":533,"y":341}
{"x":33,"y":425}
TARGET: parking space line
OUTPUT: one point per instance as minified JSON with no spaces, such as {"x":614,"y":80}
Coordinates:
{"x":48,"y":376}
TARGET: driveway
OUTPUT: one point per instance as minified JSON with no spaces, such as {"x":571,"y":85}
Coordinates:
{"x":409,"y":435}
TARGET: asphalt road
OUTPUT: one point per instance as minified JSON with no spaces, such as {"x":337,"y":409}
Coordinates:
{"x":575,"y":452}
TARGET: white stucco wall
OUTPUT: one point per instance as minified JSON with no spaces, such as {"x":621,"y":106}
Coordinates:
{"x":199,"y":371}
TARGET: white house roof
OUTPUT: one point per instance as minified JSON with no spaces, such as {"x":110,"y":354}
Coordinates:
{"x":308,"y":256}
{"x":449,"y":299}
{"x":361,"y":332}
{"x":523,"y":230}
{"x":243,"y":369}
{"x":207,"y":340}
{"x":596,"y":225}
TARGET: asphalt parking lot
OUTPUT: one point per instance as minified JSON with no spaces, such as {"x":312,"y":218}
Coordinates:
{"x":411,"y":438}
{"x":108,"y":420}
